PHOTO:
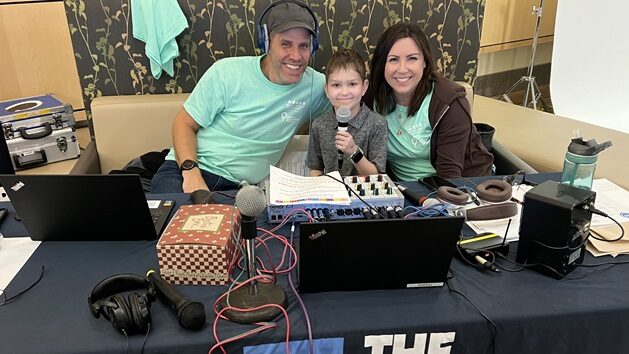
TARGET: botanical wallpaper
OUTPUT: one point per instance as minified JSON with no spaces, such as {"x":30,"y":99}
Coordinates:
{"x":111,"y":62}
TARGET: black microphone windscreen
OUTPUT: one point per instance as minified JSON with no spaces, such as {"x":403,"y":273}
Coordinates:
{"x":189,"y":314}
{"x":202,"y":196}
{"x":192,"y":315}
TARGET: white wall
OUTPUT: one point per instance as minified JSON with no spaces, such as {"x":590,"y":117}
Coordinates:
{"x":590,"y":66}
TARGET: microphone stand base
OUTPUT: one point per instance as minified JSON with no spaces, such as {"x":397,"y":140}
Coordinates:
{"x":242,"y":298}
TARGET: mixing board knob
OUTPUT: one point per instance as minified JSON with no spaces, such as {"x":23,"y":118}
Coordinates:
{"x":361,"y":192}
{"x":373,"y":186}
{"x":368,"y":179}
{"x":386,"y":185}
{"x":354,"y":179}
{"x":359,"y":187}
{"x":376,"y":191}
{"x":379,"y":178}
{"x":389,"y":190}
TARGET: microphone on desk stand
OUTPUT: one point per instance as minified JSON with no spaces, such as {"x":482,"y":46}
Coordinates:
{"x":251,"y":202}
{"x":343,"y":116}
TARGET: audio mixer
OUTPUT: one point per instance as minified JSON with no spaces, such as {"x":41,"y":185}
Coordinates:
{"x":378,"y":191}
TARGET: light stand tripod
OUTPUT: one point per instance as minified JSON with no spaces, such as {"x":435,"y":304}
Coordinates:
{"x":532,"y":90}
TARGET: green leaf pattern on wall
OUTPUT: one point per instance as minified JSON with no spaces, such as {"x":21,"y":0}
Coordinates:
{"x":111,"y":62}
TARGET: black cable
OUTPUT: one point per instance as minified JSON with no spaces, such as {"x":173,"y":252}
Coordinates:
{"x":561,"y":276}
{"x":14,"y":297}
{"x":493,"y":325}
{"x":566,"y":247}
{"x":522,"y":266}
{"x":148,"y":330}
{"x":126,"y":350}
{"x":601,"y":213}
{"x":357,"y":196}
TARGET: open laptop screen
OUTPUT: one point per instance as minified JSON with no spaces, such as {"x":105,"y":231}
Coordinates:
{"x":376,"y":254}
{"x":6,"y":166}
{"x":81,"y":207}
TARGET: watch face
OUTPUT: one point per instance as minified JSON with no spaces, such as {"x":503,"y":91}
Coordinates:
{"x":188,"y":165}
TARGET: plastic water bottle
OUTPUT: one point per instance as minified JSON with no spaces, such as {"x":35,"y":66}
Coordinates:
{"x":580,"y":162}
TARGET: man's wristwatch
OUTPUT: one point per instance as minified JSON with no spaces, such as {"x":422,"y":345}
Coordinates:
{"x":356,"y":156}
{"x":187,"y":165}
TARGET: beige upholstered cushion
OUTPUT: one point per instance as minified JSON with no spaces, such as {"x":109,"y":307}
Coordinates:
{"x":125,"y":127}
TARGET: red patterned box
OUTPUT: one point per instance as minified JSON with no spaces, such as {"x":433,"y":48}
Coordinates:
{"x":198,"y":244}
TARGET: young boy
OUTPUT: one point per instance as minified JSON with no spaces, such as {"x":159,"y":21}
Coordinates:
{"x":362,"y":148}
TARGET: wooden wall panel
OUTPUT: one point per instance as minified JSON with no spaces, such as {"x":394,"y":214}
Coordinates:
{"x":37,"y":55}
{"x":511,"y":23}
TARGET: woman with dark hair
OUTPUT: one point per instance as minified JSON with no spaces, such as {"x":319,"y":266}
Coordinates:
{"x":430,"y":125}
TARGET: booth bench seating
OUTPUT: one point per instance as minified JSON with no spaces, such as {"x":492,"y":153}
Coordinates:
{"x":128,"y":126}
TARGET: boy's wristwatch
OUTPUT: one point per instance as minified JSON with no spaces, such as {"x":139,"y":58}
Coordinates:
{"x":357,"y":155}
{"x":187,"y":165}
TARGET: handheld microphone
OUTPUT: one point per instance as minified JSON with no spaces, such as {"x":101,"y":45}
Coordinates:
{"x":191,"y":314}
{"x":343,"y":116}
{"x":413,"y":196}
{"x":202,"y":196}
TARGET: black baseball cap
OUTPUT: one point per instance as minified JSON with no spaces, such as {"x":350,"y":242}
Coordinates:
{"x":288,"y":15}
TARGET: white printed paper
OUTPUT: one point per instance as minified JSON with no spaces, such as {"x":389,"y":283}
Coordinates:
{"x":14,"y":253}
{"x":287,"y":189}
{"x":611,"y":199}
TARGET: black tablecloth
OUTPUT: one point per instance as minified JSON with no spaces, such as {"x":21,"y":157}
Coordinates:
{"x":531,"y":312}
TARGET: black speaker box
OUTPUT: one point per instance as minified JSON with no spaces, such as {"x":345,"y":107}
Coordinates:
{"x":554,"y":227}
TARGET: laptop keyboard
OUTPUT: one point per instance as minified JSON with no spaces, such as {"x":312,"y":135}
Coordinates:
{"x":155,"y":215}
{"x":159,"y":214}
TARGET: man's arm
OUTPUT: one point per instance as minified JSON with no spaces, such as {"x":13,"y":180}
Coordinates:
{"x":185,"y":141}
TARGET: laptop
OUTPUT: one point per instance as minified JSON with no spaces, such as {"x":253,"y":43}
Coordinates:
{"x":84,"y":207}
{"x":376,"y":254}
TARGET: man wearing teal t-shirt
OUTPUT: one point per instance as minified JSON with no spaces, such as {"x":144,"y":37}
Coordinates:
{"x":244,"y":110}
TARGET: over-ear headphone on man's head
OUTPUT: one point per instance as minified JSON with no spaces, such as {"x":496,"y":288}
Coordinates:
{"x":264,"y":36}
{"x":128,"y":316}
{"x":495,"y":192}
